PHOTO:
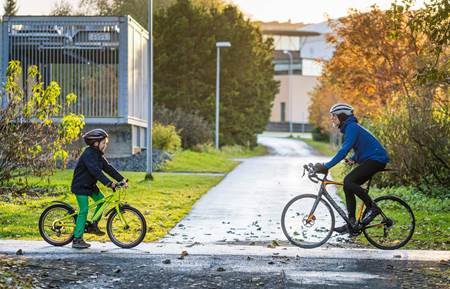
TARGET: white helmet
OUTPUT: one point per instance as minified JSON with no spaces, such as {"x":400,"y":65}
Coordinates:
{"x":339,"y":108}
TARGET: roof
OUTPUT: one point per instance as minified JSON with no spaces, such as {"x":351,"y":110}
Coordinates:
{"x":298,"y":33}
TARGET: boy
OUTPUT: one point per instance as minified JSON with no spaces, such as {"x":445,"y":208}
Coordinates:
{"x":85,"y":176}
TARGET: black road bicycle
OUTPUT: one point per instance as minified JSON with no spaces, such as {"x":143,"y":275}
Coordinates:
{"x":308,"y":220}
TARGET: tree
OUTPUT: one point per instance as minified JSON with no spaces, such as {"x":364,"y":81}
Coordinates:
{"x":393,"y":67}
{"x":185,"y":66}
{"x":62,"y":8}
{"x":32,"y":142}
{"x":134,"y":8}
{"x":10,"y":8}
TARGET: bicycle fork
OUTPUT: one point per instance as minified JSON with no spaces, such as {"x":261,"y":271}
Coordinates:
{"x":311,"y":216}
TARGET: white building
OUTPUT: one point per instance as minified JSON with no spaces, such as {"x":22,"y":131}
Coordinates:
{"x":308,"y":47}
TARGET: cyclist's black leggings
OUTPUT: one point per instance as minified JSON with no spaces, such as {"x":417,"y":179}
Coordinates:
{"x":353,"y":182}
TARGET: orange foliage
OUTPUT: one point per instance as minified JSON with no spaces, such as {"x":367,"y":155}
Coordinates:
{"x":371,"y":63}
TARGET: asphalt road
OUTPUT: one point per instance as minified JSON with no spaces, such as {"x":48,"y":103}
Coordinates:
{"x":229,"y":272}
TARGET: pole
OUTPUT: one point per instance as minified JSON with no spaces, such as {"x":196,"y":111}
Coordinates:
{"x":217,"y":96}
{"x":290,"y":91}
{"x":149,"y":171}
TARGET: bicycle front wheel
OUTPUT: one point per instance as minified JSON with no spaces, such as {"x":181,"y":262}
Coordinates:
{"x":305,"y":230}
{"x":128,"y":229}
{"x":394,"y":227}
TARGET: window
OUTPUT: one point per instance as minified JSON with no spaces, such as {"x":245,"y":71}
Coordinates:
{"x":283,"y":112}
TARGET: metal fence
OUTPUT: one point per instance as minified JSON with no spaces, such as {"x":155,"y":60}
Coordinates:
{"x":100,"y":59}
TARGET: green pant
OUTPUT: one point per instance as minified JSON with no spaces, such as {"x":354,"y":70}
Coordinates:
{"x":83,"y":204}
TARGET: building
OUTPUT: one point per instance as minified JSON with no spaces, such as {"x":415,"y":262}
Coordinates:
{"x":298,"y":52}
{"x":103,"y":60}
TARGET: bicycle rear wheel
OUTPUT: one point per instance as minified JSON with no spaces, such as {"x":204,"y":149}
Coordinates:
{"x":126,"y":234}
{"x":304,"y":230}
{"x":55,"y":231}
{"x":394,"y":227}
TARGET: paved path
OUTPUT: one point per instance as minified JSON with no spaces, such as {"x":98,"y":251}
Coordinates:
{"x":246,"y":206}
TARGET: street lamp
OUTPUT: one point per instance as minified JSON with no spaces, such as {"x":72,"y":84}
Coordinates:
{"x":149,"y":170}
{"x":289,"y":89}
{"x":219,"y":45}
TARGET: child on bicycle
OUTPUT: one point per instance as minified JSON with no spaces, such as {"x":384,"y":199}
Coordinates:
{"x":88,"y":171}
{"x":370,"y":156}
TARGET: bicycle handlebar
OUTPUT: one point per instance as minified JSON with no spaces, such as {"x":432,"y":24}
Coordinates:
{"x":312,"y":175}
{"x":120,"y":185}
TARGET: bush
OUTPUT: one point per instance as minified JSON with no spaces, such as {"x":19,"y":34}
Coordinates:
{"x":165,"y":138}
{"x":415,"y":134}
{"x":32,"y":142}
{"x":191,"y":127}
{"x":318,"y":135}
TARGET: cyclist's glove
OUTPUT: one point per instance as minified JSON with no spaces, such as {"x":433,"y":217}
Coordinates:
{"x":320,"y":168}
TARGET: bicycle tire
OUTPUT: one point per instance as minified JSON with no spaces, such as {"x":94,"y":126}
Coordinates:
{"x":292,"y":239}
{"x":143,"y":228}
{"x":368,"y":233}
{"x":42,"y":220}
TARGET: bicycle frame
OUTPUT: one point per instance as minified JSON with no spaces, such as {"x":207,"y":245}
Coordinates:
{"x":112,"y":199}
{"x":323,"y":192}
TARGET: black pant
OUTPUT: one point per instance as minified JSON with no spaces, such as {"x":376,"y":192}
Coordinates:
{"x":353,"y":182}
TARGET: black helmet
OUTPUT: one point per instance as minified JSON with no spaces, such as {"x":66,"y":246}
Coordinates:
{"x":94,"y":135}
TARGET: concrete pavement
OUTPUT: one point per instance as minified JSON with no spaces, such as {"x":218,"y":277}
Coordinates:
{"x":246,"y":206}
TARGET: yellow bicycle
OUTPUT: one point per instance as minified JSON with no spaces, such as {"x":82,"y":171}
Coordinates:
{"x":126,"y":226}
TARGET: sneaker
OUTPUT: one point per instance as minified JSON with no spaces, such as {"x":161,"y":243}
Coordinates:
{"x":79,"y":243}
{"x":370,"y":215}
{"x":92,"y":228}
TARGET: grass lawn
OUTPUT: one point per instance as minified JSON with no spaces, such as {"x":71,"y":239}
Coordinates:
{"x":323,"y":148}
{"x":432,"y":217}
{"x":211,"y":160}
{"x":164,"y":202}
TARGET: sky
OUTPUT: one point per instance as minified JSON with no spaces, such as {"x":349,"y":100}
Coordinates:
{"x":306,"y":11}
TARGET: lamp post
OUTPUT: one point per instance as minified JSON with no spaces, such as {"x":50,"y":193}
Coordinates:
{"x":149,"y":170}
{"x":219,"y":45}
{"x":289,"y":89}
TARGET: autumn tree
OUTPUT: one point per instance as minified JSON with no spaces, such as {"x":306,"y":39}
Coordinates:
{"x":392,"y":66}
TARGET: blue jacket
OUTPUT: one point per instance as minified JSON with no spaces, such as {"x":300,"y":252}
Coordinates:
{"x":365,"y":146}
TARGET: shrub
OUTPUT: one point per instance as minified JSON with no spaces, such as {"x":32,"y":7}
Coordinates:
{"x":318,"y":135}
{"x":191,"y":127}
{"x":165,"y":138}
{"x":32,"y":142}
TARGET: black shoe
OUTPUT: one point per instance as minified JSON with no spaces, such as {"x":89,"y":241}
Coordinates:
{"x":344,"y":229}
{"x":370,"y":215}
{"x":92,"y":228}
{"x":79,"y":243}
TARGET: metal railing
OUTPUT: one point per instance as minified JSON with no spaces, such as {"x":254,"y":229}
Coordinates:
{"x":81,"y":56}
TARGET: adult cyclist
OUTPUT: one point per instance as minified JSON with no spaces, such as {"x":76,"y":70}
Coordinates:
{"x":368,"y":153}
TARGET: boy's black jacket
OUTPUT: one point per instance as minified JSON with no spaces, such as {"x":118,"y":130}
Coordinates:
{"x":89,"y":170}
